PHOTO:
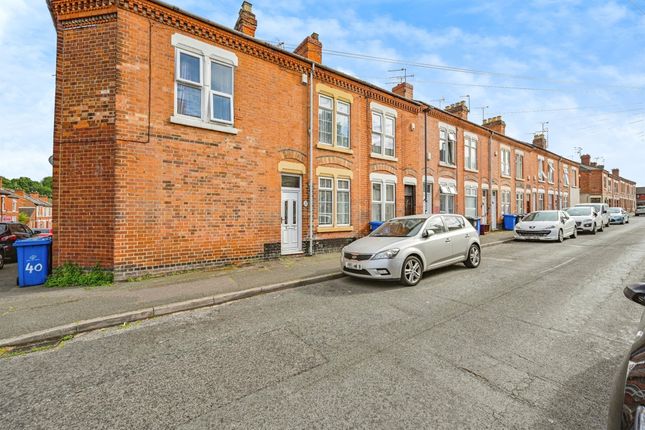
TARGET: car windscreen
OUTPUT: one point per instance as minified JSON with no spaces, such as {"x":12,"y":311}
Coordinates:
{"x":579,"y":211}
{"x":399,"y":228}
{"x":595,"y":207}
{"x":614,"y":210}
{"x":541,"y":216}
{"x":3,"y":228}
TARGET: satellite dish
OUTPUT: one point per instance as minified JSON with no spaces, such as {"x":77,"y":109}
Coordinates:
{"x":51,"y":160}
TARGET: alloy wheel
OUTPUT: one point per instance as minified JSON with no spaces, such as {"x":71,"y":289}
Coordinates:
{"x":474,"y":257}
{"x":560,"y":236}
{"x":412,"y":271}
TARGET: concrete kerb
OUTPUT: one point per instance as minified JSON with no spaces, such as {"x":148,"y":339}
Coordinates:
{"x":141,"y":314}
{"x":171,"y":308}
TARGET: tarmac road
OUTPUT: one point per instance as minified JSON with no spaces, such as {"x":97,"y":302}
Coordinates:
{"x":530,"y":339}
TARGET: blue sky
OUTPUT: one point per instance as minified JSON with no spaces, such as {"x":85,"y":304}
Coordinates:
{"x":579,"y":65}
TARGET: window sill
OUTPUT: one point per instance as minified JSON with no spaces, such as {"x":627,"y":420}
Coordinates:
{"x":334,"y":229}
{"x":519,"y":179}
{"x":334,"y":148}
{"x":471,"y":170}
{"x":384,"y":157}
{"x":194,"y":122}
{"x":450,"y":166}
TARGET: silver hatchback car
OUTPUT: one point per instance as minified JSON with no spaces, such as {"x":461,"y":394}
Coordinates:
{"x":403,"y":248}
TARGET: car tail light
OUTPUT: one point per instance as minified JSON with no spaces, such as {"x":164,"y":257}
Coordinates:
{"x":10,"y":238}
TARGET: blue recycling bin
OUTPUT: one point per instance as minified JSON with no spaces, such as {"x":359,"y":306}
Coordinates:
{"x":475,"y":222}
{"x":33,"y":260}
{"x":375,"y":224}
{"x":509,"y":221}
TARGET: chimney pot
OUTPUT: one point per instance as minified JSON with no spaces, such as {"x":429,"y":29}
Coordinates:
{"x":495,"y":124}
{"x":404,"y":89}
{"x":460,"y":109}
{"x":615,"y":172}
{"x":539,"y":140}
{"x":246,"y":22}
{"x":310,"y":48}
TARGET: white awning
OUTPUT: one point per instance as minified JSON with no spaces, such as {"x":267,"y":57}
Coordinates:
{"x":448,"y":189}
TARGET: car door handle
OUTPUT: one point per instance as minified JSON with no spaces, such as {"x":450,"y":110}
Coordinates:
{"x":448,"y":240}
{"x":467,"y":235}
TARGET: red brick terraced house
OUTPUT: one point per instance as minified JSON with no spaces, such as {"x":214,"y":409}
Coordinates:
{"x":8,"y":205}
{"x":180,"y":143}
{"x":600,"y":186}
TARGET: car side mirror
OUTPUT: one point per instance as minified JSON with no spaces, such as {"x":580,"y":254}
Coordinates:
{"x":636,"y":293}
{"x":595,"y":214}
{"x":428,"y":233}
{"x":563,"y":220}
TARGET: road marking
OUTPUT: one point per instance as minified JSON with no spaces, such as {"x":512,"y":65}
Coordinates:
{"x":559,"y":265}
{"x":500,"y":259}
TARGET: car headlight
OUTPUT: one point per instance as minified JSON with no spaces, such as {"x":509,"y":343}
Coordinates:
{"x":588,"y":220}
{"x":390,"y":253}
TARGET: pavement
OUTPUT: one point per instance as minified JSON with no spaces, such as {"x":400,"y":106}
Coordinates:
{"x":531,"y":339}
{"x":35,"y":313}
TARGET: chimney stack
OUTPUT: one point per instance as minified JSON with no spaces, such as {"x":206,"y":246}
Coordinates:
{"x":310,"y":48}
{"x":539,"y":140}
{"x":496,"y":124}
{"x":460,"y":109}
{"x":246,"y":22}
{"x":404,"y":89}
{"x":616,"y":173}
{"x":585,"y":159}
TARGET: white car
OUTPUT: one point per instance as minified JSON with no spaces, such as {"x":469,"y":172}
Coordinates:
{"x":403,"y":248}
{"x":586,"y":219}
{"x":602,"y":209}
{"x":546,"y":225}
{"x":640,"y":211}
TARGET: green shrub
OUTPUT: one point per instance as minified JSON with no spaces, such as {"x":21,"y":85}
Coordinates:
{"x":73,"y":275}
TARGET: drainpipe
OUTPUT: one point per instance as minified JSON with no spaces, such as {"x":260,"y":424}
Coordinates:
{"x":490,"y":177}
{"x":311,"y":159}
{"x":425,"y":159}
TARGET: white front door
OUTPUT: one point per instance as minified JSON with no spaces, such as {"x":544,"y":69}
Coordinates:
{"x":291,"y":220}
{"x":493,"y":210}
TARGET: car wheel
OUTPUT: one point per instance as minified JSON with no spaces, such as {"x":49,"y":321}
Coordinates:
{"x":602,"y":227}
{"x":574,"y":235}
{"x":412,"y":271}
{"x":1,"y":260}
{"x":595,"y":227}
{"x":474,"y":257}
{"x":560,"y":236}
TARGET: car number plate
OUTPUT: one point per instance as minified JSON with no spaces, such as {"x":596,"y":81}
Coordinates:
{"x":352,"y":265}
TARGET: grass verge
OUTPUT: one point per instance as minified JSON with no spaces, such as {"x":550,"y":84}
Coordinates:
{"x":73,"y":275}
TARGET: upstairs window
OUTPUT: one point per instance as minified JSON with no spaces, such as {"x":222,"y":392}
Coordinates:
{"x":333,"y":121}
{"x":204,"y":84}
{"x":506,"y":161}
{"x":447,"y":144}
{"x":383,"y":134}
{"x":541,"y":175}
{"x":519,"y":166}
{"x":470,"y":153}
{"x":551,"y":171}
{"x":565,"y":177}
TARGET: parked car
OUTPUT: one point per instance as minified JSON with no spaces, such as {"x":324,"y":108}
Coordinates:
{"x":602,"y":209}
{"x":9,"y":233}
{"x":404,"y":248}
{"x":586,"y":219}
{"x":43,"y":232}
{"x":640,"y":210}
{"x":627,"y":403}
{"x":618,"y":216}
{"x":546,"y":225}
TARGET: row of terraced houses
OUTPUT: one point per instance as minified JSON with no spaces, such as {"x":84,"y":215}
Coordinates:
{"x":180,"y":143}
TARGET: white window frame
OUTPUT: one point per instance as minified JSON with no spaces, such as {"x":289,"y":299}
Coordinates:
{"x":470,"y":193}
{"x":207,"y":54}
{"x":330,"y":110}
{"x":384,"y":203}
{"x":519,"y":202}
{"x":330,"y":191}
{"x":335,"y":114}
{"x":506,"y":201}
{"x":470,"y":152}
{"x":384,"y":113}
{"x":519,"y":167}
{"x":450,"y":143}
{"x":551,"y":171}
{"x":505,"y":159}
{"x":541,"y":175}
{"x":347,"y":190}
{"x":565,"y":176}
